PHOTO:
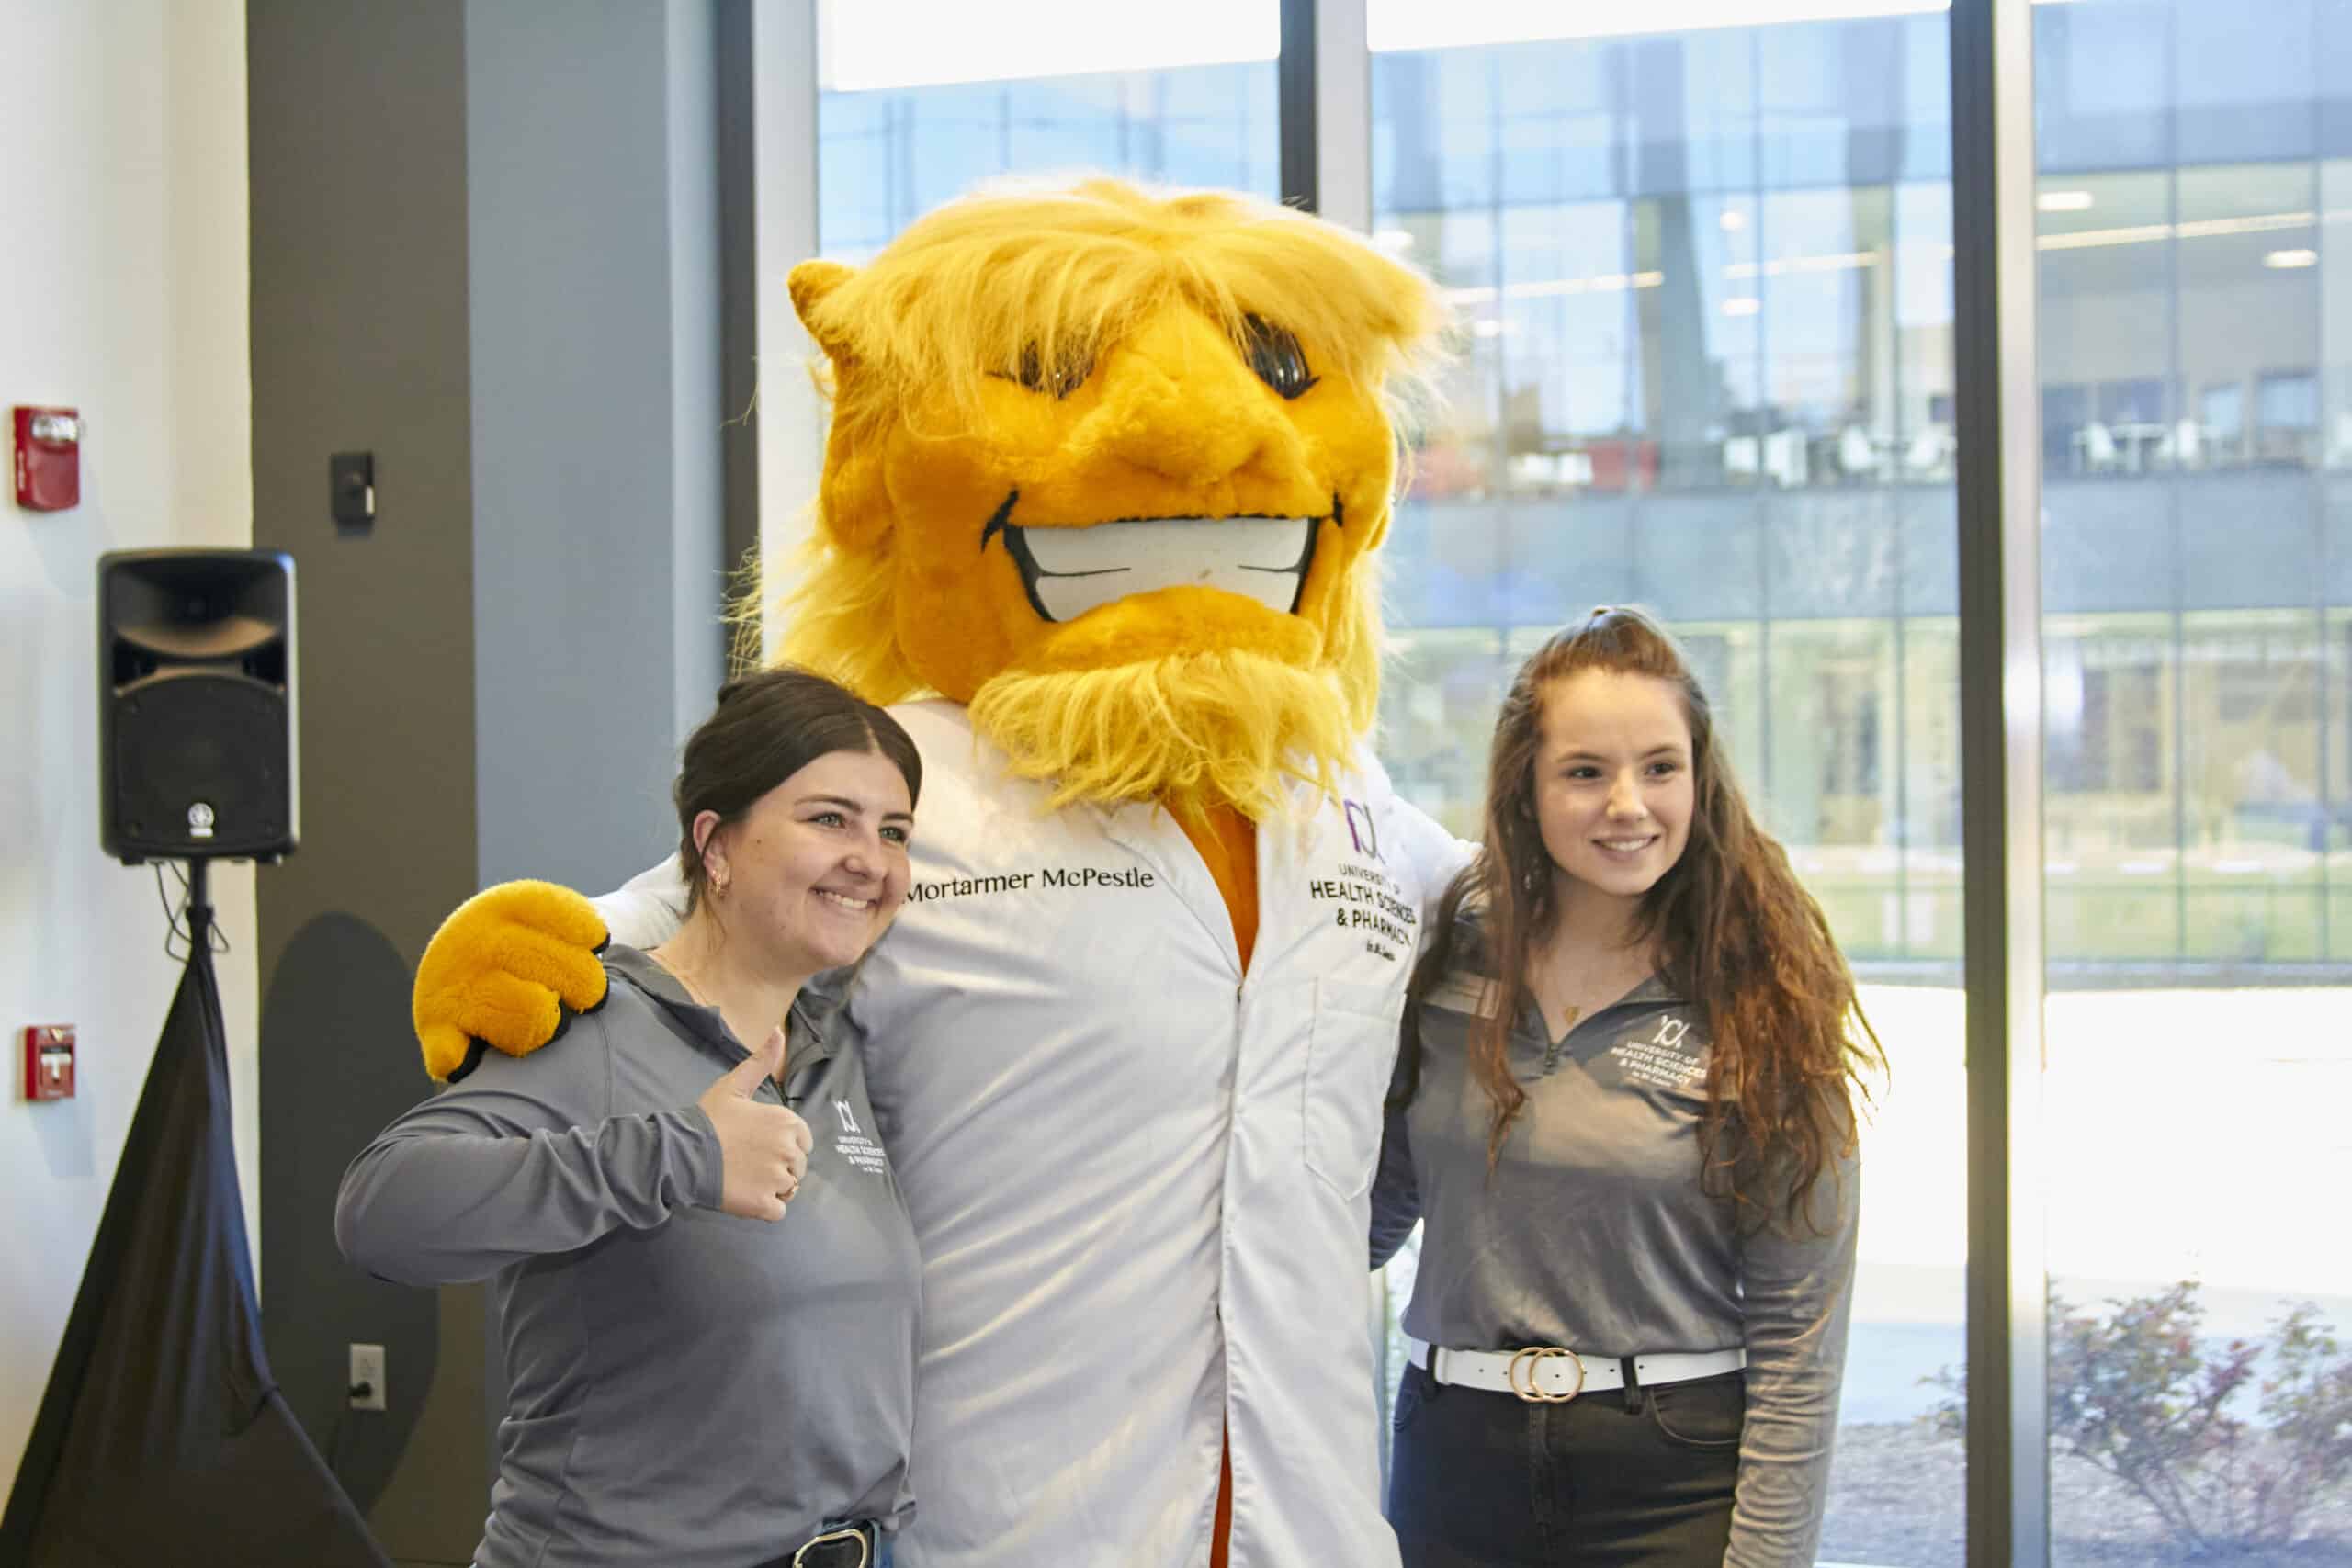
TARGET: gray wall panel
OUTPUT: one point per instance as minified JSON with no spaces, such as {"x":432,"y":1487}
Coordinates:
{"x":358,"y":138}
{"x":596,"y":547}
{"x":700,"y":555}
{"x":485,"y":248}
{"x":359,"y":302}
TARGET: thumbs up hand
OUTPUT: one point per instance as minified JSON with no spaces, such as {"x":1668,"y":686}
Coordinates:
{"x":764,"y":1149}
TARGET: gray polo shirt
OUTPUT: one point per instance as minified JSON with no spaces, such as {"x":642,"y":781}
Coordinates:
{"x":1595,"y":1235}
{"x":685,"y":1387}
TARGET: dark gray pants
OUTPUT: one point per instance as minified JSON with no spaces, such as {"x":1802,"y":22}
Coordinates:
{"x":1483,"y":1479}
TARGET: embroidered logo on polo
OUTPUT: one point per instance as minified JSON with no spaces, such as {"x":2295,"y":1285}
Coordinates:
{"x":1673,"y":1057}
{"x":859,"y":1150}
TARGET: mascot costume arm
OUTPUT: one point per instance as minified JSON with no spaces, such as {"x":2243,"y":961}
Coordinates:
{"x":503,"y":968}
{"x":508,"y":961}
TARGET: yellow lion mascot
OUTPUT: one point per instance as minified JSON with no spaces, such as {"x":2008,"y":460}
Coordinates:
{"x":1107,"y":472}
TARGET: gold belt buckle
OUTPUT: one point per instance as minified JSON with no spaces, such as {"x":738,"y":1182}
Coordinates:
{"x":1533,"y":1356}
{"x":864,"y":1552}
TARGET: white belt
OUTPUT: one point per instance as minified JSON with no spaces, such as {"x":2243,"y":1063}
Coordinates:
{"x":1546,"y":1374}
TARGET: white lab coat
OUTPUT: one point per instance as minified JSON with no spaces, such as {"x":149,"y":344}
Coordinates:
{"x":1139,"y":1181}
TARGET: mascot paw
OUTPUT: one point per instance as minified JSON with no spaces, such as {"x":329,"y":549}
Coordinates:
{"x":501,"y":968}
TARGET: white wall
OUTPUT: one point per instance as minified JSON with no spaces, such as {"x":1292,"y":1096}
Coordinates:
{"x":122,"y":292}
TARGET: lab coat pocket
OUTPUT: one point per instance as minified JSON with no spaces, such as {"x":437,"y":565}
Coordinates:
{"x":1351,"y":1050}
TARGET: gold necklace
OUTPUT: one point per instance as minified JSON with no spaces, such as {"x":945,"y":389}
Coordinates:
{"x":678,"y":972}
{"x":694,"y":992}
{"x":1607,"y":981}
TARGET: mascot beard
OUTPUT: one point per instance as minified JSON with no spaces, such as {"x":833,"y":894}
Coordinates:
{"x":1190,"y":730}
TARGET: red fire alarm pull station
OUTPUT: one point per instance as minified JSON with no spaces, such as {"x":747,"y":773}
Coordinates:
{"x":48,"y":1061}
{"x":48,"y":458}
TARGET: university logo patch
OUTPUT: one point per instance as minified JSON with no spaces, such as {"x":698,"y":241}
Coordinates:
{"x":857,"y":1150}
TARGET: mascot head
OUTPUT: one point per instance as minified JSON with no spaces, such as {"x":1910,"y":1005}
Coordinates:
{"x":1109,"y":465}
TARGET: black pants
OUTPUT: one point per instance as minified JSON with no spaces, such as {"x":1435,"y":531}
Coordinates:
{"x":1483,"y":1479}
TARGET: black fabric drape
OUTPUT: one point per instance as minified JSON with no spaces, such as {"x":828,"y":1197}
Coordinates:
{"x":163,"y":1439}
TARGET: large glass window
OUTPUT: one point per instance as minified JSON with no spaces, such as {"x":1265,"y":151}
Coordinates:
{"x":919,"y":103}
{"x":1706,"y":366}
{"x":2194,"y":368}
{"x":1702,"y":261}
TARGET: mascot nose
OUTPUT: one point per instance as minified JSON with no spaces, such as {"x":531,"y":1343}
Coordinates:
{"x":1184,"y":406}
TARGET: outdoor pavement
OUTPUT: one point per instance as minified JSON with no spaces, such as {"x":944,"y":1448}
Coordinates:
{"x":2186,"y":1135}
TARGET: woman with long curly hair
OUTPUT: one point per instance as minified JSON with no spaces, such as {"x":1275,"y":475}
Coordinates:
{"x":1624,"y":1109}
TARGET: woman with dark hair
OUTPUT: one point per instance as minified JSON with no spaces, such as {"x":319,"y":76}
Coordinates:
{"x":1624,"y":1110}
{"x":707,"y":1303}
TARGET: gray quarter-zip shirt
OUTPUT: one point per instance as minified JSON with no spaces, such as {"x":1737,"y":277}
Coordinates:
{"x":1140,"y":1174}
{"x":1595,"y":1235}
{"x":685,"y":1386}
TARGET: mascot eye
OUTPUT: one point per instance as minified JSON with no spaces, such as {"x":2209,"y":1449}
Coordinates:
{"x":1275,"y":356}
{"x":1061,"y":379}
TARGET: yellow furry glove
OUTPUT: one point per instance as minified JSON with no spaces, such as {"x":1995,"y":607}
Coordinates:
{"x":498,"y":968}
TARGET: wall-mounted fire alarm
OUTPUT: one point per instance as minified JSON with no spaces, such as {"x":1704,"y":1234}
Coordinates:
{"x":48,"y":1061}
{"x":48,"y":458}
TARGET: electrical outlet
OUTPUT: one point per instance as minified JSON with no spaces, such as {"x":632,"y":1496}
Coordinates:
{"x":366,"y":1377}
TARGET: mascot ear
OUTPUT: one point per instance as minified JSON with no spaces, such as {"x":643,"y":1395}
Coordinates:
{"x":849,"y":498}
{"x":811,"y":283}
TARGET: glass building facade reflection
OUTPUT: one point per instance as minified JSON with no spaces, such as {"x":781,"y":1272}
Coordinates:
{"x":1708,"y":367}
{"x":1705,"y":366}
{"x":1706,"y":287}
{"x":888,"y":155}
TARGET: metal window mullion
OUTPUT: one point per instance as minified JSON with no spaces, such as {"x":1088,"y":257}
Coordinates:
{"x":2321,"y":495}
{"x":1294,"y":128}
{"x":1323,"y":88}
{"x":2176,"y":530}
{"x":1896,"y":518}
{"x":1760,"y":507}
{"x":1343,"y":114}
{"x":2000,"y":667}
{"x":791,"y":417}
{"x":733,"y":66}
{"x":1323,"y":85}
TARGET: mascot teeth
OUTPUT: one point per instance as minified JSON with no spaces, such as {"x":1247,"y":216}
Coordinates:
{"x":1071,"y":571}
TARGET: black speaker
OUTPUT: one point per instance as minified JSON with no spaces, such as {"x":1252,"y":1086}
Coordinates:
{"x":196,"y":705}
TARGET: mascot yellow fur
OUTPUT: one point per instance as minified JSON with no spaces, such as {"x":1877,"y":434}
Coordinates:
{"x":1106,"y":475}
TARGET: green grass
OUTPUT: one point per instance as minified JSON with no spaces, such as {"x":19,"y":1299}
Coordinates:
{"x":2199,"y":916}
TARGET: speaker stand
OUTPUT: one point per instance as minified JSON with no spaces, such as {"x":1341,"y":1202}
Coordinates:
{"x":199,"y":903}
